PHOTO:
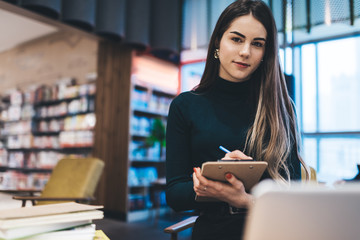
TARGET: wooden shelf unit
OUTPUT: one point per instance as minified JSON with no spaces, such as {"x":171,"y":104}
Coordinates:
{"x":117,"y":81}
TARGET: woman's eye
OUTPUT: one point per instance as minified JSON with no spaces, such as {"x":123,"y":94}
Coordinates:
{"x":236,"y":39}
{"x":258,"y":44}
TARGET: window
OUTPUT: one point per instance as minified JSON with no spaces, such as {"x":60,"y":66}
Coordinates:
{"x":330,"y":106}
{"x":308,"y":64}
{"x":191,"y":75}
{"x":339,"y":85}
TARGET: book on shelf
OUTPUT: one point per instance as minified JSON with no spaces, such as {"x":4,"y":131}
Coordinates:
{"x":57,"y":221}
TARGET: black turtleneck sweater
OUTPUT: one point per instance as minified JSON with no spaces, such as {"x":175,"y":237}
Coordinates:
{"x":198,"y":123}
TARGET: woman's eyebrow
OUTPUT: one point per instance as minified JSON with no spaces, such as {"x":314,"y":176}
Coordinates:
{"x":243,"y":36}
{"x":239,"y":34}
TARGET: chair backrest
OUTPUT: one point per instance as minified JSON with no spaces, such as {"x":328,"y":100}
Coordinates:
{"x":73,"y":177}
{"x":313,"y":176}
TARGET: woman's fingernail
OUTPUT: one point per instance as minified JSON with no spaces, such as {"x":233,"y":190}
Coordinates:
{"x":194,"y":169}
{"x":228,"y":175}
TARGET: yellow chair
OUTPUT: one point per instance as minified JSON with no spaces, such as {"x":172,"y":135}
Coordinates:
{"x":72,"y":179}
{"x":313,"y":177}
{"x":189,"y":222}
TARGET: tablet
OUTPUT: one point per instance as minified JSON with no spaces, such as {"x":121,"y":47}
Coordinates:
{"x":249,"y":172}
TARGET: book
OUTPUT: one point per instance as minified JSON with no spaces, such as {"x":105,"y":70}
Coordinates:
{"x":20,"y":232}
{"x":50,"y":219}
{"x":100,"y":235}
{"x":84,"y":232}
{"x":49,"y":209}
{"x":24,"y":222}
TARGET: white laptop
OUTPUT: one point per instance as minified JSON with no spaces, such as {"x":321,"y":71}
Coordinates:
{"x":304,"y":213}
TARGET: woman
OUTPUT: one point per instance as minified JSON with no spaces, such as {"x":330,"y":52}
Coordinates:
{"x":242,"y":104}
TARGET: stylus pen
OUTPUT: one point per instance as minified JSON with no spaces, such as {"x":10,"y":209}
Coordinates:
{"x":224,"y":149}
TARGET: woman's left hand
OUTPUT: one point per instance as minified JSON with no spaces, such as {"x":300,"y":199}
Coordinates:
{"x":232,"y":192}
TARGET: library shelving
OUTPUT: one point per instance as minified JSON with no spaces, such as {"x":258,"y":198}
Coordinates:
{"x":150,"y":98}
{"x":146,"y":148}
{"x":41,"y":126}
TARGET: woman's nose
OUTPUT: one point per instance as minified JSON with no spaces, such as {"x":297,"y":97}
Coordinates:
{"x":245,"y":50}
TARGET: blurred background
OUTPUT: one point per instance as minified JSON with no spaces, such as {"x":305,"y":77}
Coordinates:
{"x":96,"y":77}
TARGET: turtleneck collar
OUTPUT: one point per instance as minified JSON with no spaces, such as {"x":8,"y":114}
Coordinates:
{"x":231,"y":89}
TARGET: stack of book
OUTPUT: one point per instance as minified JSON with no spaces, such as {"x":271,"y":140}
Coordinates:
{"x":50,"y":222}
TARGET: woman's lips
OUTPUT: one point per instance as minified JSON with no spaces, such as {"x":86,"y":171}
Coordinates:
{"x":242,"y":65}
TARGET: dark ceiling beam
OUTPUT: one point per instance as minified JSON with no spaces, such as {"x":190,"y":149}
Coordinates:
{"x":284,"y":21}
{"x":308,"y":17}
{"x":352,"y":12}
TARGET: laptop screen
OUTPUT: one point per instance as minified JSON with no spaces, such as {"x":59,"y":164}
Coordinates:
{"x":304,"y":212}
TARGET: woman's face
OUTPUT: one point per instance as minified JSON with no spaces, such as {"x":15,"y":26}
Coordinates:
{"x":241,"y":49}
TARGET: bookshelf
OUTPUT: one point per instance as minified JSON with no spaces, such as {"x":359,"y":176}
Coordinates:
{"x":150,"y":99}
{"x":147,"y":161}
{"x":40,"y":126}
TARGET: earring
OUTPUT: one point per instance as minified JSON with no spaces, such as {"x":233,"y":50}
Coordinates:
{"x":216,"y":53}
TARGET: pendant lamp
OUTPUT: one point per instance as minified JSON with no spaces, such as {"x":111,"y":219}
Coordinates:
{"x":49,"y":8}
{"x":137,"y":31}
{"x":79,"y":13}
{"x":110,"y":19}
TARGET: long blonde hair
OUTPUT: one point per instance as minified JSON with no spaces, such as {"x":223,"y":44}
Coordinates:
{"x":274,"y":133}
